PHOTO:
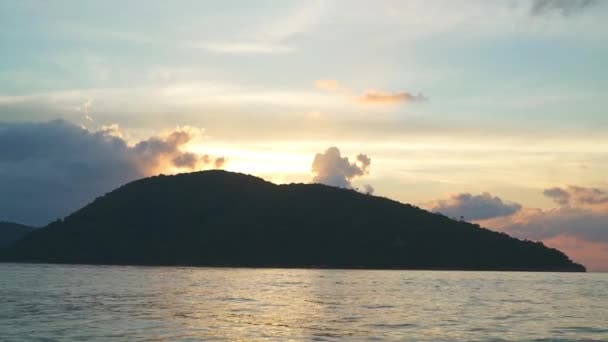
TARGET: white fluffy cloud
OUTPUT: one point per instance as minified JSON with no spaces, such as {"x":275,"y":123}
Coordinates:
{"x":332,"y":169}
{"x":49,"y":169}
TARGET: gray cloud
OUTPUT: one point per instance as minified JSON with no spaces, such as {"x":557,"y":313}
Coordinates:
{"x":583,"y":214}
{"x":474,"y":207}
{"x":189,"y":160}
{"x":332,"y":169}
{"x":577,"y":195}
{"x":579,"y":227}
{"x":537,"y":224}
{"x":582,"y":233}
{"x":49,"y":169}
{"x":558,"y":195}
{"x":565,"y":7}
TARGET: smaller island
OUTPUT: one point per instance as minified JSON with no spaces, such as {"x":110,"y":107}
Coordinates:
{"x":219,"y":218}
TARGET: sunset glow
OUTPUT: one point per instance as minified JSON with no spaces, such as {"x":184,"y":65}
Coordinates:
{"x":444,"y":102}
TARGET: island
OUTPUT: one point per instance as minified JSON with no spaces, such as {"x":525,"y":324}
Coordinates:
{"x":220,"y":218}
{"x":11,"y":232}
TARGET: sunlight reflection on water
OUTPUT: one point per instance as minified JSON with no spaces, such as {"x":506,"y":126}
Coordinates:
{"x":65,"y":302}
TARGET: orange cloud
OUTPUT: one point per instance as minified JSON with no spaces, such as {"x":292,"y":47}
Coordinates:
{"x":371,"y":96}
{"x":379,"y":97}
{"x":167,"y":153}
{"x":327,"y":85}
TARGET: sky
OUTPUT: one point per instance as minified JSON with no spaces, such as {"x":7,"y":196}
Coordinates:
{"x":494,"y":111}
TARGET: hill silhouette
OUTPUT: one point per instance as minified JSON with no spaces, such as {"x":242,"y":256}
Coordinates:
{"x":219,"y":218}
{"x":11,"y":232}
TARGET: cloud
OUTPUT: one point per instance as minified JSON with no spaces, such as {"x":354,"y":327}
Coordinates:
{"x":474,"y":207}
{"x":577,"y":227}
{"x":237,"y":47}
{"x":189,"y":160}
{"x":327,"y":85}
{"x":219,"y":162}
{"x":565,"y":7}
{"x":577,"y":195}
{"x":369,"y":97}
{"x":48,"y":170}
{"x":271,"y":37}
{"x":157,"y":153}
{"x":332,"y":169}
{"x":538,"y":224}
{"x":558,"y":195}
{"x":582,"y":214}
{"x":85,"y":110}
{"x":113,"y":130}
{"x":379,"y":97}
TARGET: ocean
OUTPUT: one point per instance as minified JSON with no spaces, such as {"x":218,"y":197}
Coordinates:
{"x":128,"y":303}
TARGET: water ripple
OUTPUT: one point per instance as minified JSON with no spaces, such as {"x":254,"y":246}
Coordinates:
{"x":107,"y":303}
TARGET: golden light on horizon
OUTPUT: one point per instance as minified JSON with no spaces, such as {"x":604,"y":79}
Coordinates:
{"x":275,"y":166}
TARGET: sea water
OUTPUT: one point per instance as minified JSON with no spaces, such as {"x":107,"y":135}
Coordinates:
{"x":123,"y":303}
